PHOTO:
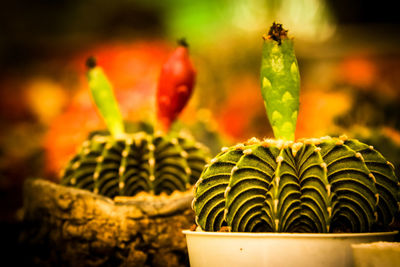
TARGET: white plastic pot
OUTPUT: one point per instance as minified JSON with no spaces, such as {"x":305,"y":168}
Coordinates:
{"x":377,"y":254}
{"x":275,"y":249}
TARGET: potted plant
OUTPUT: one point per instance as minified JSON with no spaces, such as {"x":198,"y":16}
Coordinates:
{"x":124,"y":196}
{"x":287,"y":202}
{"x":124,"y":164}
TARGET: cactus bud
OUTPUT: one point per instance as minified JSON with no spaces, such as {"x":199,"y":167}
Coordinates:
{"x":175,"y":85}
{"x":103,"y":96}
{"x":280,"y":82}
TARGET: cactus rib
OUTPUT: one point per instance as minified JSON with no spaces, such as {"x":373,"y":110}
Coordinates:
{"x":134,"y":163}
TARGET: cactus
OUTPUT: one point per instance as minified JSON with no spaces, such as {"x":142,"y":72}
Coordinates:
{"x":312,"y":185}
{"x":328,"y":184}
{"x":123,"y":164}
{"x":137,"y":162}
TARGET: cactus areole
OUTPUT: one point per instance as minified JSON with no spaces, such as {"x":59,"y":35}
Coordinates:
{"x":316,"y":185}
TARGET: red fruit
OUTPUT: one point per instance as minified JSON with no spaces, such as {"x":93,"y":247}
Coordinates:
{"x":175,"y":85}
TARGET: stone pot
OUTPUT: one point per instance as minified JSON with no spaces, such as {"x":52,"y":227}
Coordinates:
{"x":64,"y":226}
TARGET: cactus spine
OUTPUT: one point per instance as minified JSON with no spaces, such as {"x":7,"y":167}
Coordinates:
{"x":279,"y":185}
{"x":138,"y":162}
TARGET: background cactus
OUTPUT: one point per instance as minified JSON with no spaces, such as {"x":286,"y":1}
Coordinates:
{"x":137,"y":162}
{"x":279,"y":185}
{"x":123,"y":164}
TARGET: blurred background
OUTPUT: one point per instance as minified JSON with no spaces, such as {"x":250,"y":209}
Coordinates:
{"x":348,"y":53}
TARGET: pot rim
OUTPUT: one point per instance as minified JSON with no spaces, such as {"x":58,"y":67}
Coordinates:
{"x":312,"y":235}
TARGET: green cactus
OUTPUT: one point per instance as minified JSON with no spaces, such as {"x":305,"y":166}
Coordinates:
{"x":280,"y":82}
{"x":103,"y":96}
{"x":279,"y":185}
{"x":313,"y":185}
{"x":134,"y":163}
{"x":123,"y":164}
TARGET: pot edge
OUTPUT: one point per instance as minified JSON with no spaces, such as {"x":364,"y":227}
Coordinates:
{"x":296,"y":235}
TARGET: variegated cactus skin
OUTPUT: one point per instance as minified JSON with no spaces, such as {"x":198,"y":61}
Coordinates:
{"x":280,"y":82}
{"x":134,"y":163}
{"x":312,"y":185}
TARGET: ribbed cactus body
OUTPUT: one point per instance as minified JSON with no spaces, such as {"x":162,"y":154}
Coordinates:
{"x":136,"y":162}
{"x":313,"y":185}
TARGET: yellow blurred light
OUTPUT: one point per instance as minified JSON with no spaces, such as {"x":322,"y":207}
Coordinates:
{"x":307,"y":19}
{"x":318,"y":111}
{"x":45,"y":98}
{"x":250,"y":16}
